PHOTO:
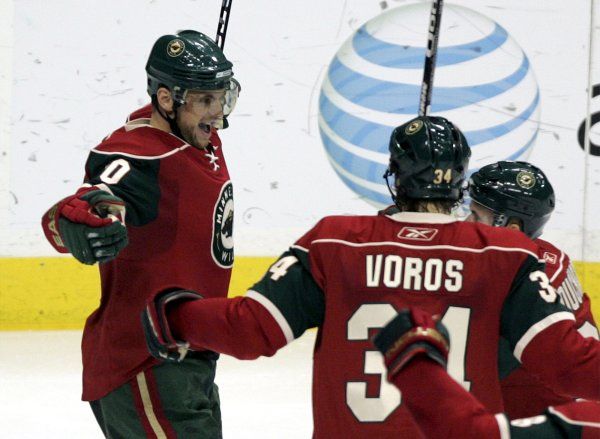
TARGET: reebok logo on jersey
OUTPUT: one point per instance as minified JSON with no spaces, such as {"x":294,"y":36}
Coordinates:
{"x":417,"y":233}
{"x":550,"y":258}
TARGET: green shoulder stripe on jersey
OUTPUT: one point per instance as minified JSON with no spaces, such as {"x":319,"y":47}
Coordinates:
{"x":135,"y":181}
{"x":531,"y":300}
{"x":289,"y":286}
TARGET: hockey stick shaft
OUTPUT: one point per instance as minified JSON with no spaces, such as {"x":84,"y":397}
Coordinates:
{"x":433,"y":35}
{"x":223,"y":23}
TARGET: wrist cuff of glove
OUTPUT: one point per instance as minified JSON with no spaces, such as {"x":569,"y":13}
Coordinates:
{"x":105,"y":203}
{"x":402,"y":339}
{"x":159,"y":338}
{"x":167,"y":299}
{"x":396,"y":363}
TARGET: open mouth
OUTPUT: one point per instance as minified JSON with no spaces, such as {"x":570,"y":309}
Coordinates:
{"x":204,"y":127}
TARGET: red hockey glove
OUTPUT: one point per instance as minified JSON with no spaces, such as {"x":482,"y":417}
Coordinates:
{"x":159,"y":339}
{"x":89,"y":225}
{"x":411,"y":333}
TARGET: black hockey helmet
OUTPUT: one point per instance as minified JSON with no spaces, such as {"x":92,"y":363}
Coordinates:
{"x":514,"y":189}
{"x":189,"y":60}
{"x":429,"y":157}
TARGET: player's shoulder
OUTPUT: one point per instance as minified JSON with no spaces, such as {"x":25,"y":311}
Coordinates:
{"x":333,"y":222}
{"x":338,"y":228}
{"x":141,"y":113}
{"x":552,"y":255}
{"x":482,"y":235}
{"x":343,"y":226}
{"x":137,"y":139}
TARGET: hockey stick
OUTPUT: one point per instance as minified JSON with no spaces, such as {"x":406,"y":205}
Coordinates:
{"x":223,"y":22}
{"x":430,"y":56}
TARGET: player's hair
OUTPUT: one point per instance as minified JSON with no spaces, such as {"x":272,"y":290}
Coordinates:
{"x":428,"y":206}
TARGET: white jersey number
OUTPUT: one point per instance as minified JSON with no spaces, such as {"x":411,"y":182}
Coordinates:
{"x":546,"y":291}
{"x":368,"y":316}
{"x":115,"y":171}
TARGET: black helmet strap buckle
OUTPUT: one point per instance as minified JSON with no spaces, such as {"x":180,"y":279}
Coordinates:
{"x":500,"y":220}
{"x":388,"y":173}
{"x":171,"y":120}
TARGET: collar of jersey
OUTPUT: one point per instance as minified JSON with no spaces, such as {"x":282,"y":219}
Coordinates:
{"x":422,"y":217}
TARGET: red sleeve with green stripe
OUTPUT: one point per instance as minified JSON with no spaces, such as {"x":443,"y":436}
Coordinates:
{"x":278,"y":309}
{"x":543,"y":336}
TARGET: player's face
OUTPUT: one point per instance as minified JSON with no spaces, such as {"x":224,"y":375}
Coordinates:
{"x":480,"y":214}
{"x":202,"y":109}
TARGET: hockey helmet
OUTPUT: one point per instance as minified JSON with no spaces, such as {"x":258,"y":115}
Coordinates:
{"x":429,"y":157}
{"x":514,"y":189}
{"x":189,"y":60}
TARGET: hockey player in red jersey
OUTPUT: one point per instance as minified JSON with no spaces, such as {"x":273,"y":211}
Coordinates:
{"x":518,"y":195}
{"x":415,"y":350}
{"x":349,"y":275}
{"x":161,"y":184}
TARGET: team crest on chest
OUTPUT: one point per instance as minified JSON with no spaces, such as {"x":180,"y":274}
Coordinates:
{"x":222,"y":236}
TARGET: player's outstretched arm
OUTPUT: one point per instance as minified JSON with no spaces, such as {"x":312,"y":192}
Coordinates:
{"x":277,"y":310}
{"x":563,"y":359}
{"x":415,"y":350}
{"x":176,"y":321}
{"x":416,"y":361}
{"x":89,"y":225}
{"x":544,"y":338}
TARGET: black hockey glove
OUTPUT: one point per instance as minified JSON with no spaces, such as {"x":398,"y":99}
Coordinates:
{"x":159,"y":339}
{"x":411,"y":333}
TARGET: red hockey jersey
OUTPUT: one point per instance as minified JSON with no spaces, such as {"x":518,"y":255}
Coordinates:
{"x":179,"y":203}
{"x":349,"y":275}
{"x":524,"y":394}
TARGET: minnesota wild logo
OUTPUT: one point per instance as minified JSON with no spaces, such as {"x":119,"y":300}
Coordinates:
{"x":526,"y":179}
{"x":175,"y":47}
{"x":414,"y":127}
{"x":222,"y":237}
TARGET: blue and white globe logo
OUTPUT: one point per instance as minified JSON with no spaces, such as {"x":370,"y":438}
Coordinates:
{"x":483,"y":83}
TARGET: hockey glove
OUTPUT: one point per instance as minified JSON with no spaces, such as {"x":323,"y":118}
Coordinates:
{"x":411,"y":333}
{"x":159,"y":339}
{"x":89,"y":225}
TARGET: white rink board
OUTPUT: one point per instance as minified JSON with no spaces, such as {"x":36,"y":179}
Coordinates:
{"x":69,"y":87}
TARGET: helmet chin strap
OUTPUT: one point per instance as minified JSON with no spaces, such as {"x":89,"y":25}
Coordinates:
{"x":172,"y":121}
{"x":389,"y":173}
